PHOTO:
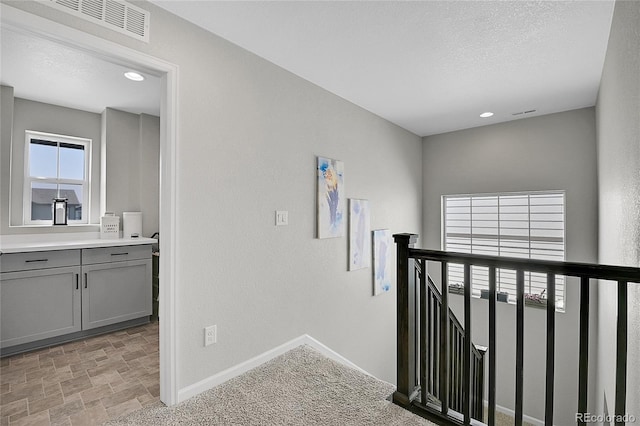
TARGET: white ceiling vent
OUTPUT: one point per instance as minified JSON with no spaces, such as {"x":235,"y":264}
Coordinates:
{"x":118,"y":15}
{"x":531,"y":111}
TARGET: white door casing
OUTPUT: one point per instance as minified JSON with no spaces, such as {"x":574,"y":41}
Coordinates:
{"x":21,"y":21}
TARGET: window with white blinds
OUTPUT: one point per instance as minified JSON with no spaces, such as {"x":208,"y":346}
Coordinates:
{"x":525,"y":225}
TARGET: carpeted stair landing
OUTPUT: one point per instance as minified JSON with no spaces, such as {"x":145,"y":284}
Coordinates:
{"x":300,"y":387}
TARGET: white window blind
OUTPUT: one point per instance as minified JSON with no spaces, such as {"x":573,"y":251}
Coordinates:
{"x":524,"y":225}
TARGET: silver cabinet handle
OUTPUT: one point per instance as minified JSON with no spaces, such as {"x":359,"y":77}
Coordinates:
{"x":86,"y":280}
{"x":77,"y":281}
{"x":119,"y":254}
{"x":36,"y":260}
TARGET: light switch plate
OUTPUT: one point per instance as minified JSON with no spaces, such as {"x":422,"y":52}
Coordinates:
{"x":282,"y":217}
{"x":210,"y":335}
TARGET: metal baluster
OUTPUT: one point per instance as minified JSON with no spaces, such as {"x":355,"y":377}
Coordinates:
{"x":621,"y":355}
{"x":519,"y":346}
{"x":480,"y":386}
{"x":417,"y":325}
{"x":436,"y":353}
{"x":492,"y":346}
{"x":425,"y":341}
{"x":583,"y":377}
{"x":466,"y":377}
{"x":551,"y":333}
{"x":454,"y":366}
{"x":458,"y":386}
{"x":444,"y":341}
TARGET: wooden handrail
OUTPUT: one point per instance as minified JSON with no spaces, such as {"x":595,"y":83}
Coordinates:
{"x":573,"y":269}
{"x":410,"y":258}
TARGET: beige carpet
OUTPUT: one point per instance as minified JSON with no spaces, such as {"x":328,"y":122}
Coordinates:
{"x":301,"y":387}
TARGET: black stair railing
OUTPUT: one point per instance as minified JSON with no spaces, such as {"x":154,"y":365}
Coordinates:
{"x":437,"y":393}
{"x":436,"y":321}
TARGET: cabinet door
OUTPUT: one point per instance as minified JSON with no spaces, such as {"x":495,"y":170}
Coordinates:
{"x":115,"y":292}
{"x":39,"y":304}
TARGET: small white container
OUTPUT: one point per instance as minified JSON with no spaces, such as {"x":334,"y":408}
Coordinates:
{"x":131,"y":224}
{"x":110,"y":226}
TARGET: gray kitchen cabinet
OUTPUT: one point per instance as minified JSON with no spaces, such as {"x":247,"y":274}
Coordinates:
{"x":39,"y":302}
{"x":57,"y":295}
{"x":116,"y":286}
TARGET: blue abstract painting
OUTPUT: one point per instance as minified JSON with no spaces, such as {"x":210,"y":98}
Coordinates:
{"x":381,"y":261}
{"x":359,"y":234}
{"x":331,"y":201}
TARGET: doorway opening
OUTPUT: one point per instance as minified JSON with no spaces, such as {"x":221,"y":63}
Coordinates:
{"x":20,"y":21}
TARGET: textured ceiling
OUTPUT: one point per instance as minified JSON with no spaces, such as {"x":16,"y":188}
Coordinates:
{"x":46,"y":71}
{"x":428,"y":66}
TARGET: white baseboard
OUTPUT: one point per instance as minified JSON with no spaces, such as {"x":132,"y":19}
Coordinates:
{"x":331,"y":354}
{"x":243,"y":367}
{"x":512,"y":413}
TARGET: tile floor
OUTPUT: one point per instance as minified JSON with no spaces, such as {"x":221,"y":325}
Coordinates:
{"x":82,"y":383}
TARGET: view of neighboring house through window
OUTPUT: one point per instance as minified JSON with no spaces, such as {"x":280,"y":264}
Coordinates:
{"x":524,"y":225}
{"x":56,"y":166}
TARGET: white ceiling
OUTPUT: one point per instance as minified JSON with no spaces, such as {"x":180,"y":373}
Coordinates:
{"x":46,"y":71}
{"x":428,"y":66}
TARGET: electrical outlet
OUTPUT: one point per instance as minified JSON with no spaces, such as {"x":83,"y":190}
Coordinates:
{"x":210,"y":335}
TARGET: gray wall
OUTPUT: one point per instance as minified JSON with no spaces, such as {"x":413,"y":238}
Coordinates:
{"x":551,"y":152}
{"x":248,"y":134}
{"x":41,"y":117}
{"x":6,"y":131}
{"x":130,"y":166}
{"x":120,"y":154}
{"x":131,"y":141}
{"x":618,"y":124}
{"x":149,"y":166}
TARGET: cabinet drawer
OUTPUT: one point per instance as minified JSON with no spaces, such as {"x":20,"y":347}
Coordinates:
{"x":115,"y":254}
{"x":11,"y":262}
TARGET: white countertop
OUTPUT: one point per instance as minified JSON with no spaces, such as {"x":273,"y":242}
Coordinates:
{"x":31,"y":242}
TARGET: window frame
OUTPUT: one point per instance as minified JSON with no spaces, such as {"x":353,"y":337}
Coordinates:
{"x":560,"y":306}
{"x":29,"y":180}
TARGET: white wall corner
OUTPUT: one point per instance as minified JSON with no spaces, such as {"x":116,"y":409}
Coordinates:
{"x":238,"y":369}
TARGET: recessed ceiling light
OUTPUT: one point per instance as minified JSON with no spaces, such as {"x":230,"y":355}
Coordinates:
{"x":486,"y":114}
{"x":132,"y":75}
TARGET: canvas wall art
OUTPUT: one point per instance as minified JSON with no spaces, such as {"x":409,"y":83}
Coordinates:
{"x":381,"y":261}
{"x":331,"y":201}
{"x":359,"y":234}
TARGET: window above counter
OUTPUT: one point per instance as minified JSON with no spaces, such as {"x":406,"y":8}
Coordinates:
{"x":55,"y":166}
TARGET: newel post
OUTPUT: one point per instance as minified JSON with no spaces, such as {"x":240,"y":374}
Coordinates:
{"x":406,"y":322}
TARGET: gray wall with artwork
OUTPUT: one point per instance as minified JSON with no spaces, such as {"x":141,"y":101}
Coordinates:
{"x":248,"y":135}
